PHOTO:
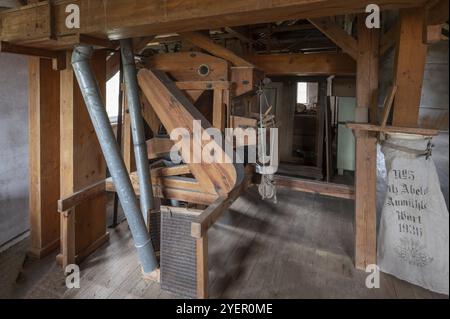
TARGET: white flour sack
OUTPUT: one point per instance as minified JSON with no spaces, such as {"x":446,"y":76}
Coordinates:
{"x":413,"y":242}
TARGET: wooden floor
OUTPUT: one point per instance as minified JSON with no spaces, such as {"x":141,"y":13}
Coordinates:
{"x":301,"y":247}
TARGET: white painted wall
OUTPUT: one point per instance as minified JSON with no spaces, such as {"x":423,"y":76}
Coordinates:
{"x":13,"y":146}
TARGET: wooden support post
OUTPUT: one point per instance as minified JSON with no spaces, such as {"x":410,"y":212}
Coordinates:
{"x":202,"y":267}
{"x":44,"y":156}
{"x":367,"y":72}
{"x":409,"y":67}
{"x":365,"y":205}
{"x":68,"y":238}
{"x":82,"y":162}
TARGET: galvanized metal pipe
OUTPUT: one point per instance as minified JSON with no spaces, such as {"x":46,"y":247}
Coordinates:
{"x":89,"y":88}
{"x":137,"y":127}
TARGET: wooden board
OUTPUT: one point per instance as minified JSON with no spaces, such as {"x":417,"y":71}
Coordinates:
{"x":367,"y":72}
{"x":314,"y":187}
{"x":365,"y":204}
{"x":44,"y":146}
{"x":409,"y":67}
{"x":184,"y":66}
{"x":305,"y":64}
{"x":393,"y":129}
{"x":175,"y":111}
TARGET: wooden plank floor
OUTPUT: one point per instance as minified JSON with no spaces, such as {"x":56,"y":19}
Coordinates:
{"x":301,"y":247}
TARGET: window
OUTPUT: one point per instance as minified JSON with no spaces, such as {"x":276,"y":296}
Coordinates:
{"x":302,"y":92}
{"x":112,"y":97}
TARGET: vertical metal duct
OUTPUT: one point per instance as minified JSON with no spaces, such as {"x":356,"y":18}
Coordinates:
{"x":89,"y":88}
{"x":137,"y":128}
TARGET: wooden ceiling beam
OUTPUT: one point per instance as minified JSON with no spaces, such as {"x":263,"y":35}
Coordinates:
{"x":335,"y":33}
{"x":116,"y":19}
{"x":305,"y":64}
{"x":208,"y":45}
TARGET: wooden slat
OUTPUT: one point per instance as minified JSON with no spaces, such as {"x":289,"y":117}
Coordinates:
{"x":336,"y":34}
{"x":68,"y":254}
{"x":208,"y":45}
{"x":305,"y":64}
{"x":392,"y":129}
{"x":171,"y":171}
{"x":314,"y":187}
{"x":202,"y":267}
{"x":365,"y":203}
{"x":79,"y":197}
{"x":186,"y":195}
{"x":203,"y":85}
{"x":387,"y":105}
{"x":219,"y":111}
{"x":44,"y":164}
{"x":409,"y":67}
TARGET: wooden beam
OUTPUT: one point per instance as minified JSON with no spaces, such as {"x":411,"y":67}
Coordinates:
{"x":409,"y":67}
{"x":82,"y":162}
{"x":59,"y":57}
{"x":171,"y":171}
{"x":97,"y":42}
{"x":77,"y":198}
{"x":365,"y":203}
{"x":185,"y":195}
{"x":338,"y":35}
{"x":305,"y":64}
{"x":116,"y":19}
{"x":392,"y":129}
{"x":186,"y":66}
{"x":367,"y":72}
{"x":387,"y":105}
{"x":314,"y":187}
{"x":219,"y":112}
{"x":208,"y":45}
{"x":44,"y":146}
{"x":203,"y":85}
